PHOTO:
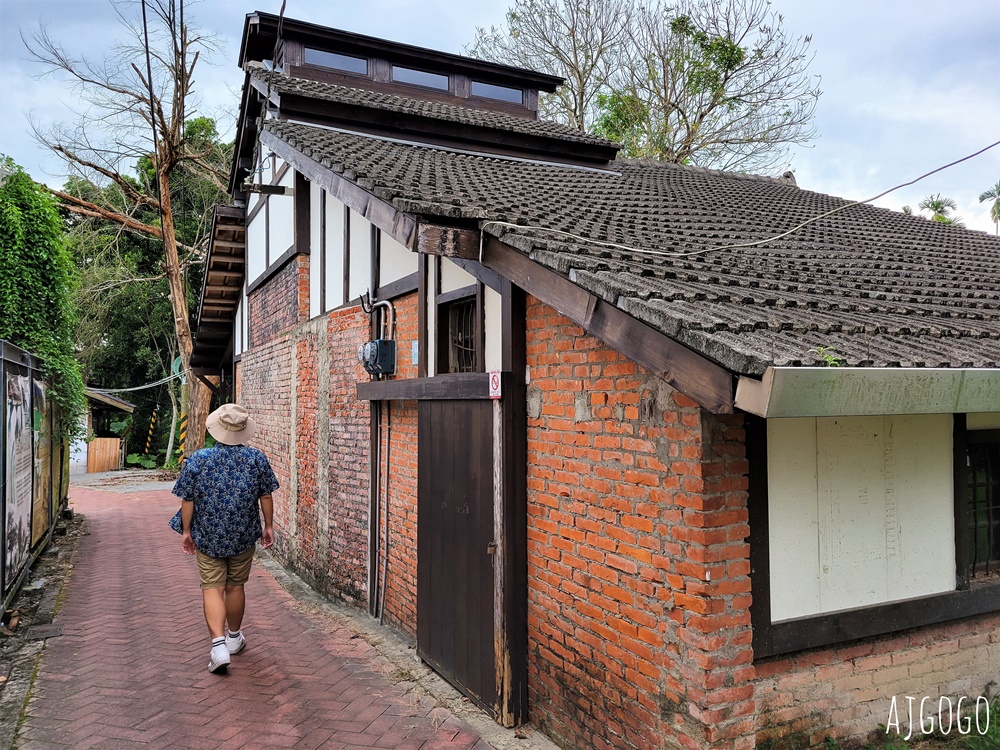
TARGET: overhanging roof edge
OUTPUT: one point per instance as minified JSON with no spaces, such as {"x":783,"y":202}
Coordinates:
{"x":859,"y":391}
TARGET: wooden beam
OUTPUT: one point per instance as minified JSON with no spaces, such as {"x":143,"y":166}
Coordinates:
{"x":466,"y":385}
{"x":688,"y":371}
{"x":398,"y":225}
{"x":449,"y":242}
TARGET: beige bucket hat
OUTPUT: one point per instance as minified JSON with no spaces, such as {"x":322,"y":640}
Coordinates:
{"x":230,"y":424}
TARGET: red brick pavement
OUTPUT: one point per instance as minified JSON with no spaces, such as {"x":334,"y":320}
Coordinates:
{"x":131,"y":671}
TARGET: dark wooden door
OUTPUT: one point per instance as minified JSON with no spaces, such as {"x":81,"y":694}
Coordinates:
{"x":454,"y":530}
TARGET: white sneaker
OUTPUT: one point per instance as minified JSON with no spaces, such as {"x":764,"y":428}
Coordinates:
{"x":219,"y":658}
{"x":235,"y":643}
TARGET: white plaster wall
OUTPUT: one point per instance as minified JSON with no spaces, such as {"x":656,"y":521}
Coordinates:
{"x":432,"y":266}
{"x":395,"y":260}
{"x":315,"y":264}
{"x":983,"y":421}
{"x":453,"y":277}
{"x":493,"y":308}
{"x":256,"y":259}
{"x":860,"y":511}
{"x":239,"y":339}
{"x":334,"y":253}
{"x":281,"y":223}
{"x":360,"y":268}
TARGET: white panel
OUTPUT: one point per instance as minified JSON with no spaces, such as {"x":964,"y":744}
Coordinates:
{"x":395,"y":261}
{"x":246,"y":323}
{"x":334,"y":253}
{"x":256,"y":262}
{"x":880,"y":512}
{"x":238,"y":329}
{"x":923,"y":477}
{"x":793,"y":517}
{"x":983,"y":421}
{"x":431,"y":315}
{"x":851,"y":479}
{"x":453,"y":277}
{"x":493,"y":309}
{"x":281,"y":222}
{"x":360,"y":268}
{"x":315,"y":257}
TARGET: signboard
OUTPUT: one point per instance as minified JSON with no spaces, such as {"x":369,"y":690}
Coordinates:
{"x":494,"y":384}
{"x":19,"y":468}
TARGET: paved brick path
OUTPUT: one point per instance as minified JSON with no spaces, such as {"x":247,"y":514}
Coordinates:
{"x":130,"y":670}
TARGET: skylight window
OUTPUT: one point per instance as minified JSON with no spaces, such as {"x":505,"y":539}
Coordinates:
{"x":338,"y":62}
{"x":419,"y":78}
{"x":500,"y":93}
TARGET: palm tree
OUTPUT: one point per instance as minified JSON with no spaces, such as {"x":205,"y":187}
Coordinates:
{"x":939,"y":208}
{"x":993,"y":194}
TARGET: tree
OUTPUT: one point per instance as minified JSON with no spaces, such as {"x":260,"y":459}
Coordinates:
{"x":579,"y":40}
{"x":993,"y":194}
{"x":708,"y":82}
{"x":940,"y":209}
{"x":133,"y":114}
{"x":36,"y":286}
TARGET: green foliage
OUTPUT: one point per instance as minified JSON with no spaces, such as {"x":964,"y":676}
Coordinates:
{"x":993,"y":194}
{"x":940,"y":209}
{"x":621,"y":117}
{"x":136,"y":459}
{"x":711,"y":60}
{"x":36,"y":287}
{"x":829,"y":355}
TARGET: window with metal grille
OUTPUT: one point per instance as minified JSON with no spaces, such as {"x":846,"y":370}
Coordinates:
{"x":983,"y":504}
{"x":462,"y":330}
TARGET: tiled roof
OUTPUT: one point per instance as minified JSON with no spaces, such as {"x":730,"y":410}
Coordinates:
{"x":465,"y":116}
{"x":882,"y":288}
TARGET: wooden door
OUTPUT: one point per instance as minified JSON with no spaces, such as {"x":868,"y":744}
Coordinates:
{"x":455,"y":581}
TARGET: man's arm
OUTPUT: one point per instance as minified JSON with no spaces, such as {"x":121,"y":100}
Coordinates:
{"x":267,"y":508}
{"x":187,"y":513}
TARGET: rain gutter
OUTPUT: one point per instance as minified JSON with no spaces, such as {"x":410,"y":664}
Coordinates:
{"x":861,"y":391}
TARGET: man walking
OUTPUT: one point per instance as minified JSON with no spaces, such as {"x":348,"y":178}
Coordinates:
{"x":225,"y":489}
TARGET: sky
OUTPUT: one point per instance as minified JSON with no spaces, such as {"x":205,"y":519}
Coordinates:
{"x":908,"y":85}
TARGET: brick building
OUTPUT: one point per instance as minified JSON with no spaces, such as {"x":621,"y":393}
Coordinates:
{"x":611,"y":485}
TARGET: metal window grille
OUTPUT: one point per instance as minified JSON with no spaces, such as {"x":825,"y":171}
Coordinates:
{"x":984,"y":509}
{"x":462,"y":336}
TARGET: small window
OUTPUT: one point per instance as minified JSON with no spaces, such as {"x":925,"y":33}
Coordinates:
{"x":983,"y":504}
{"x":500,"y":93}
{"x":459,"y":333}
{"x":419,"y":78}
{"x":462,"y":336}
{"x":337,"y":62}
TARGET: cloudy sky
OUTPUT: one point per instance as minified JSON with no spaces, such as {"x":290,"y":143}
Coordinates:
{"x":908,"y":85}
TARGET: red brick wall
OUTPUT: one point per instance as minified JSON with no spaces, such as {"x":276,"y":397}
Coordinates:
{"x":274,"y":306}
{"x":401,"y":584}
{"x":265,"y":388}
{"x":638,"y":566}
{"x":846,"y":691}
{"x":349,"y":448}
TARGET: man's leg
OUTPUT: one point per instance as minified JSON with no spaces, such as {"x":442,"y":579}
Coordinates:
{"x":215,"y":611}
{"x":235,"y":606}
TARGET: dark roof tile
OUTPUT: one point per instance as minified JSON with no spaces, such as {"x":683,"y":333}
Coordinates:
{"x":882,"y":288}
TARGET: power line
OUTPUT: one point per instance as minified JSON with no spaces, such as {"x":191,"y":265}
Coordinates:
{"x":683,"y":254}
{"x":139,"y":387}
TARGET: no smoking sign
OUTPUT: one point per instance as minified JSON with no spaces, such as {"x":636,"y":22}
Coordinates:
{"x":495,"y":384}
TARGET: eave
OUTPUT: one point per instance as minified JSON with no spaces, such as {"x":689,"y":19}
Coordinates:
{"x":221,"y":289}
{"x":858,"y":391}
{"x":437,"y":132}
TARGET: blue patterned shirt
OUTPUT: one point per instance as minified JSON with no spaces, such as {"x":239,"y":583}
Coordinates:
{"x":225,"y":484}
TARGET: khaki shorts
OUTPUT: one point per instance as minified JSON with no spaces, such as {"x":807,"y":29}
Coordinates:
{"x":217,"y":572}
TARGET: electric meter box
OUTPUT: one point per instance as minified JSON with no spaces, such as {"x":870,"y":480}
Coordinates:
{"x":378,"y":357}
